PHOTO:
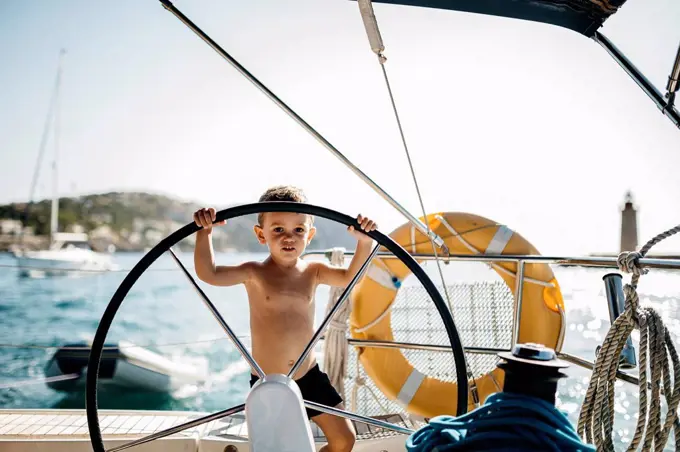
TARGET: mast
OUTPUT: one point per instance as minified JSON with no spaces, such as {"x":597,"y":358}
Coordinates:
{"x":54,"y":215}
{"x":54,"y":211}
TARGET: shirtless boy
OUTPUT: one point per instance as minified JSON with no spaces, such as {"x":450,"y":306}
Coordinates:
{"x":281,"y":296}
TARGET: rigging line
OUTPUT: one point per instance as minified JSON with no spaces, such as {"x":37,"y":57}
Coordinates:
{"x":49,"y":120}
{"x":470,"y":370}
{"x":54,"y":209}
{"x":16,"y":384}
{"x":85,"y":270}
{"x":376,"y":43}
{"x":375,"y":40}
{"x":415,"y":181}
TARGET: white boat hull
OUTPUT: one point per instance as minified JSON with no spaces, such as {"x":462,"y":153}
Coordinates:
{"x":62,"y":262}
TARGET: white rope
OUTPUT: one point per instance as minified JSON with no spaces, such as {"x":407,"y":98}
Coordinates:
{"x":377,"y":320}
{"x":335,"y":341}
{"x":596,"y":422}
{"x":336,"y":349}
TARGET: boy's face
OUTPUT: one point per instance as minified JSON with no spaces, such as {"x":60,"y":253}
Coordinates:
{"x":286,"y":234}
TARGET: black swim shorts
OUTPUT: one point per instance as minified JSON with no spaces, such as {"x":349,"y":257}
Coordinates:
{"x":315,"y":387}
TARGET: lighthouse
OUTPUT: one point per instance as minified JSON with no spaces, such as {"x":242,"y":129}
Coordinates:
{"x":629,"y":233}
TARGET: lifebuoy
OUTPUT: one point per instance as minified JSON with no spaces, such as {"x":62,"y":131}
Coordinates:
{"x":542,"y":318}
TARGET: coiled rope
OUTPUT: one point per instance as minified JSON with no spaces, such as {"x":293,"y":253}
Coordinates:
{"x":596,"y":418}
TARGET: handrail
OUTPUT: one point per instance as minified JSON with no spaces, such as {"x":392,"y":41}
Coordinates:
{"x":574,"y":359}
{"x":583,"y":261}
{"x":587,"y":261}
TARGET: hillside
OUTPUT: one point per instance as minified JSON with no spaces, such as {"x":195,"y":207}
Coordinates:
{"x":136,"y":221}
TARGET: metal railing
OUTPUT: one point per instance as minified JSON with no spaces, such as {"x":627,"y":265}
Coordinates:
{"x":582,"y":362}
{"x":583,"y":261}
{"x":613,"y":293}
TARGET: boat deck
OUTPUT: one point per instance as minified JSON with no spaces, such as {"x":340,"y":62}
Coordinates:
{"x":66,"y":430}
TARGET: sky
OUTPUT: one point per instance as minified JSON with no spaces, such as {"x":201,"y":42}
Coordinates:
{"x":530,"y":125}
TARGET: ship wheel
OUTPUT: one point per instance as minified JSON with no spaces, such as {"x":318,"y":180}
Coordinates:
{"x":278,"y":206}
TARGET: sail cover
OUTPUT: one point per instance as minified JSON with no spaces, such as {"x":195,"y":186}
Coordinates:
{"x":582,"y":16}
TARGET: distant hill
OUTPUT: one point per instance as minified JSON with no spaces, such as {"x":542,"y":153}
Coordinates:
{"x":137,"y":220}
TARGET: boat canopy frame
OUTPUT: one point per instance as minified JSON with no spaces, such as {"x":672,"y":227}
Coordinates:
{"x":584,"y":17}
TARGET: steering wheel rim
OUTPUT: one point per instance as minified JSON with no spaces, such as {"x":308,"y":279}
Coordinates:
{"x":248,"y":209}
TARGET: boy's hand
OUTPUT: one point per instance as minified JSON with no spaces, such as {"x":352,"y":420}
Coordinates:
{"x":205,"y":217}
{"x":365,"y":224}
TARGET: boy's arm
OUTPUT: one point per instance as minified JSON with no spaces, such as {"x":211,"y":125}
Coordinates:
{"x":341,"y":277}
{"x":207,"y":271}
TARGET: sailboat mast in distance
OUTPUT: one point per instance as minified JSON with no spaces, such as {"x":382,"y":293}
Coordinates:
{"x":54,"y":214}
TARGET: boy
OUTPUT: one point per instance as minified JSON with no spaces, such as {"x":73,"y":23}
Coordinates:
{"x":281,"y":297}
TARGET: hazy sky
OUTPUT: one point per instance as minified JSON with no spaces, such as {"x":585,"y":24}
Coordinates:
{"x":530,"y":125}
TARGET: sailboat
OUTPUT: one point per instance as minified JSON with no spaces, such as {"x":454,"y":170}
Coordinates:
{"x":68,"y":253}
{"x":271,"y":417}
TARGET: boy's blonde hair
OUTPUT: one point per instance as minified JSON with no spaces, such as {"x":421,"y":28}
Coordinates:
{"x":282,"y":193}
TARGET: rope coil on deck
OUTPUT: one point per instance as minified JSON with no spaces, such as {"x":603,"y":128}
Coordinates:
{"x":595,"y":422}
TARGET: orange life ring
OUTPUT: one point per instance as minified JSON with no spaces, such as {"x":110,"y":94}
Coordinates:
{"x":542,"y":318}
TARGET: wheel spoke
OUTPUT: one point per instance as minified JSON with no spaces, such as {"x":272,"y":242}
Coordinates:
{"x":181,"y":427}
{"x":329,"y":317}
{"x":237,"y":343}
{"x":356,"y":417}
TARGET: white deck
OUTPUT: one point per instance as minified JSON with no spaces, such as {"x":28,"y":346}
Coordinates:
{"x":66,"y":430}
